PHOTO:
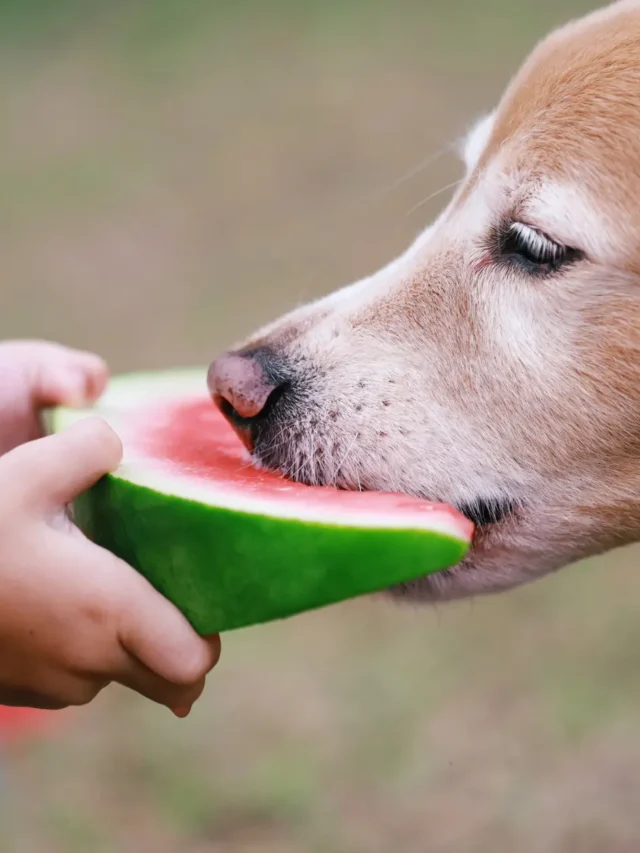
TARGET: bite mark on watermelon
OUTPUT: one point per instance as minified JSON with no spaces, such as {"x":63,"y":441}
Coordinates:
{"x":233,"y":545}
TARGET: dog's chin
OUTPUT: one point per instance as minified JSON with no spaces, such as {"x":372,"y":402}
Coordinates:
{"x":488,"y":565}
{"x":487,"y":568}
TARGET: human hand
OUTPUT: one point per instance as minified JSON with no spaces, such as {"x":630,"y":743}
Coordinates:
{"x":73,"y":617}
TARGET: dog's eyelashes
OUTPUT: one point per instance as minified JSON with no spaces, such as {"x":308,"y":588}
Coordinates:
{"x":533,"y":251}
{"x":533,"y":245}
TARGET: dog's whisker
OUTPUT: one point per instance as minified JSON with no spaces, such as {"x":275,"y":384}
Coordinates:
{"x":414,"y":172}
{"x":434,"y":194}
{"x":340,"y":464}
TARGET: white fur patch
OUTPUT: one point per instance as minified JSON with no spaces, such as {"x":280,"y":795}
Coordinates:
{"x":476,"y":141}
{"x":565,"y":212}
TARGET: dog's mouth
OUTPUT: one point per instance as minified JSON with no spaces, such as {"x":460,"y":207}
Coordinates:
{"x":484,"y":512}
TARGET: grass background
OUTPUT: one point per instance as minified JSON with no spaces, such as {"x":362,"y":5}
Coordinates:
{"x":172,"y":174}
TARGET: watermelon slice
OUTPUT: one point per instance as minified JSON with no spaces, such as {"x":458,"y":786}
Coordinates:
{"x":231,"y":545}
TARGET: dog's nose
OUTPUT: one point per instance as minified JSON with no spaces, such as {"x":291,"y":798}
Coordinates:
{"x":245,"y":385}
{"x":240,"y":381}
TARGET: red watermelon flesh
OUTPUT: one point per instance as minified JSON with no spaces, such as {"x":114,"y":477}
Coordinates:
{"x":191,"y":438}
{"x":231,"y":544}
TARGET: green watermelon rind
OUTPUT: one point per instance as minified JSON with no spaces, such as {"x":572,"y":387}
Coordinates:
{"x":225,"y":568}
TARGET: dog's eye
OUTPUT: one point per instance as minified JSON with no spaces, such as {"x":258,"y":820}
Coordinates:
{"x":532,"y":250}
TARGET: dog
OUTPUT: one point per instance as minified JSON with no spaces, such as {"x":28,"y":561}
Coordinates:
{"x":495,"y":365}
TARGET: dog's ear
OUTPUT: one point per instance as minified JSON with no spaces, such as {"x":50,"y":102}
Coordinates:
{"x":474,"y":143}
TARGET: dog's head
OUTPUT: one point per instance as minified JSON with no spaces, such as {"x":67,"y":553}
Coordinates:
{"x":496,"y":364}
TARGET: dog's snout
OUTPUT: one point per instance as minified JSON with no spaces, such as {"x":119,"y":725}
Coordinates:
{"x":246,"y":385}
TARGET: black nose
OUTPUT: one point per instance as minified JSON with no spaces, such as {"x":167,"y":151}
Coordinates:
{"x":246,"y":385}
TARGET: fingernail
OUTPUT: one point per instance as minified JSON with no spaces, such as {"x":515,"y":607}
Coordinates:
{"x":182,"y":712}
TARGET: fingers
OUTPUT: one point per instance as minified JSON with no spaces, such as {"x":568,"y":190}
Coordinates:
{"x":81,"y":691}
{"x":57,"y":375}
{"x":167,"y":661}
{"x":76,"y":380}
{"x":53,"y":471}
{"x":164,"y":659}
{"x":19,"y":698}
{"x":152,"y":647}
{"x":177,"y":697}
{"x":159,"y":636}
{"x":53,"y":694}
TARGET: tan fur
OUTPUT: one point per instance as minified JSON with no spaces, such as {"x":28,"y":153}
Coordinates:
{"x":454,"y":376}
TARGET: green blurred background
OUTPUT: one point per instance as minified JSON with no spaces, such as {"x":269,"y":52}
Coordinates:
{"x":173,"y":173}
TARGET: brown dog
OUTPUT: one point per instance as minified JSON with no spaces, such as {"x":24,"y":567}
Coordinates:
{"x":496,"y":364}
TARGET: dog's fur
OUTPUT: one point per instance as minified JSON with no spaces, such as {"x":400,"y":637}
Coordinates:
{"x":463,"y":374}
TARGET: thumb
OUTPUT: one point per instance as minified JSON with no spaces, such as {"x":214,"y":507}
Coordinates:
{"x":53,"y":471}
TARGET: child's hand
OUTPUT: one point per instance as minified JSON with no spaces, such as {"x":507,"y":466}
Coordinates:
{"x":36,"y":374}
{"x":72,"y":616}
